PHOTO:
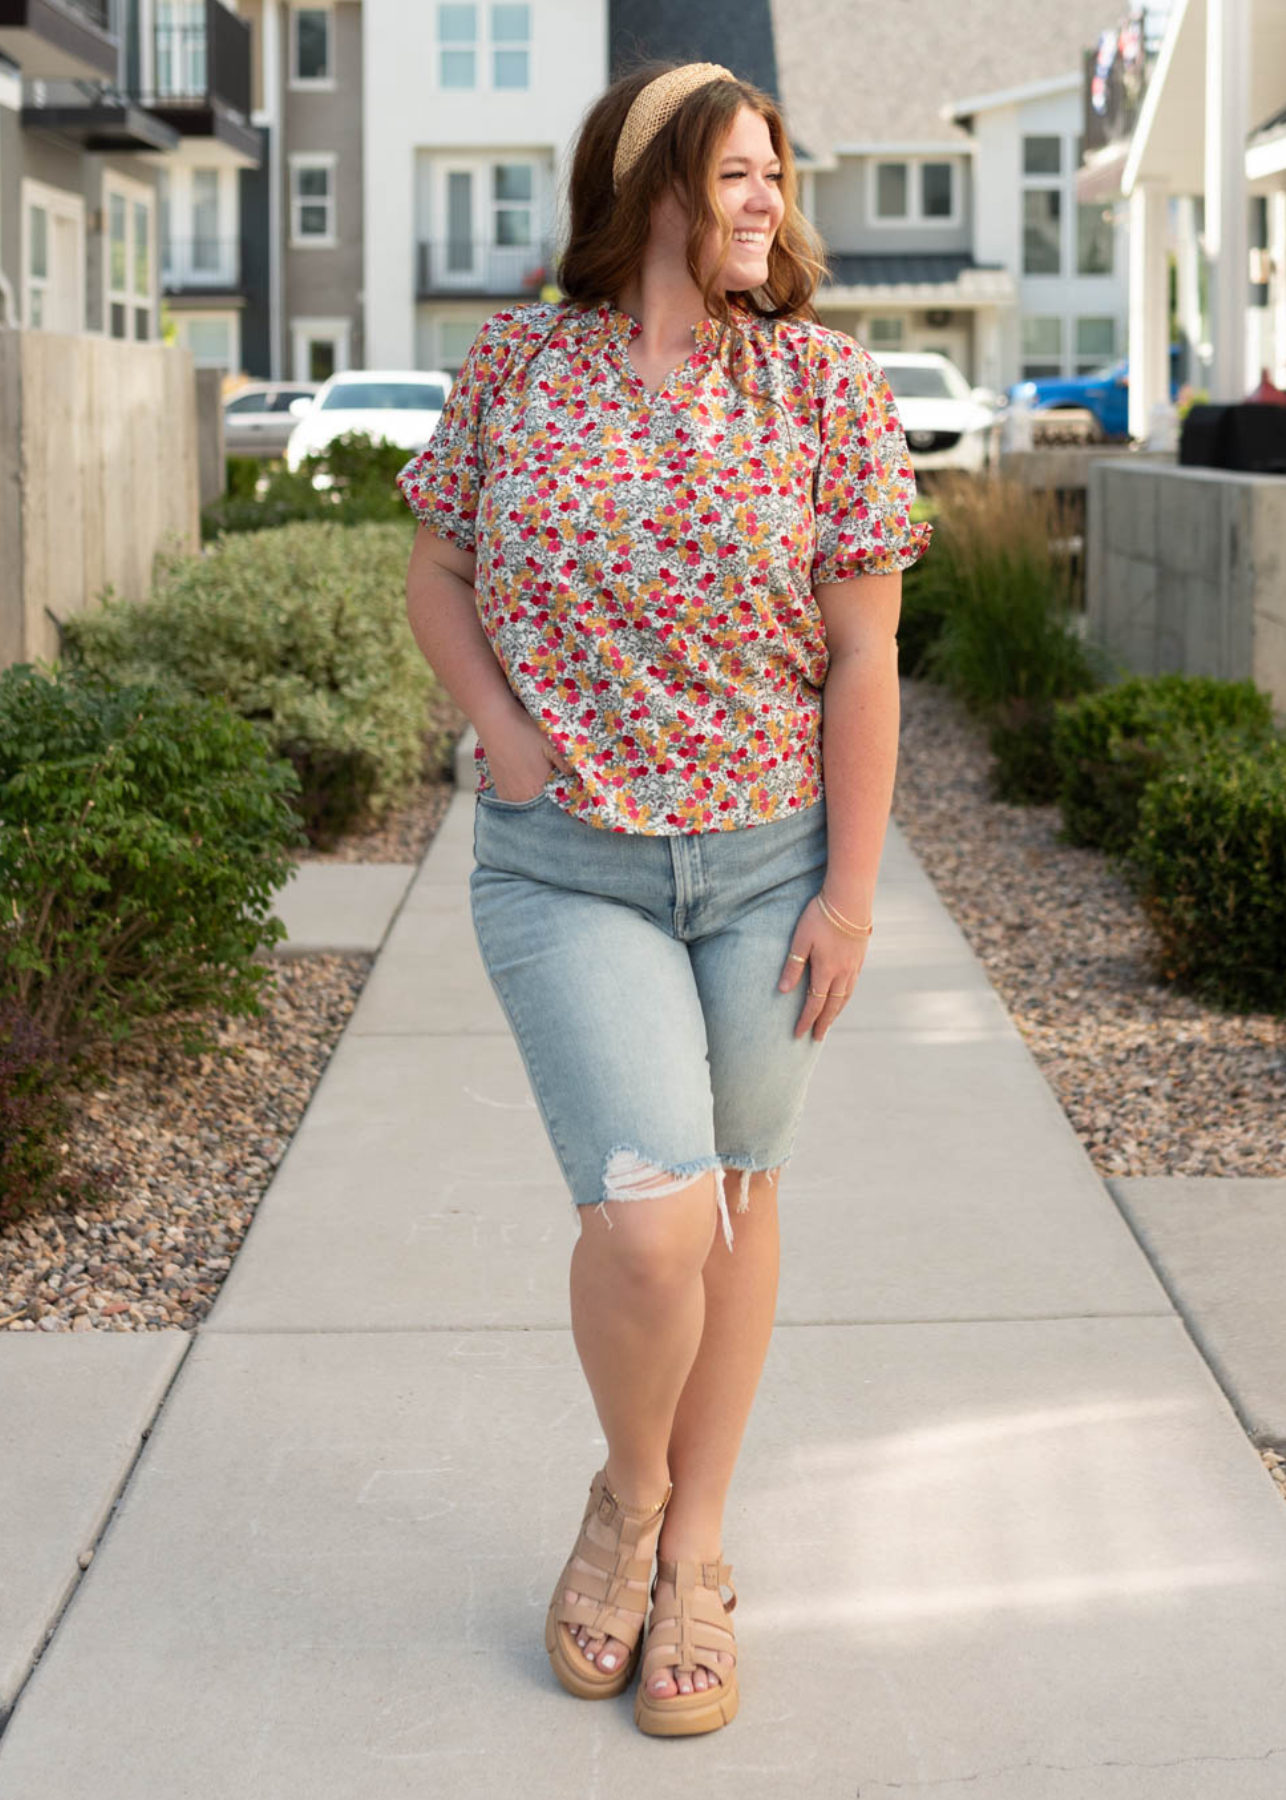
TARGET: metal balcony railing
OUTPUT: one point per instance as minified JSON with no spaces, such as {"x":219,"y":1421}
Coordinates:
{"x":201,"y":64}
{"x":200,"y":262}
{"x":471,"y":265}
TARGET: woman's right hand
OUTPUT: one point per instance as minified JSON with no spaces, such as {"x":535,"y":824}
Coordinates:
{"x":520,"y":756}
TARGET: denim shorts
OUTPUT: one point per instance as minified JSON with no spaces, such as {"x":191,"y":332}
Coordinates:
{"x":639,"y":974}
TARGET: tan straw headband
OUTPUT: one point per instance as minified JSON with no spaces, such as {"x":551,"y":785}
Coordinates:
{"x":654,"y":106}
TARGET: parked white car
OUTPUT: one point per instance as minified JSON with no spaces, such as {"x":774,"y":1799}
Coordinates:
{"x":400,"y":406}
{"x":948,"y":424}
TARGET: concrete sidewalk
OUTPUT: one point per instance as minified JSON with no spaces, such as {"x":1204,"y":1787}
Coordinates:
{"x":997,"y":1532}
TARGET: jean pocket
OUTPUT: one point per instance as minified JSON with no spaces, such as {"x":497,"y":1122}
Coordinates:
{"x":490,"y":798}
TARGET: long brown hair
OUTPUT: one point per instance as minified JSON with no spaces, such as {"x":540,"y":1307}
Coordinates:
{"x":608,"y":232}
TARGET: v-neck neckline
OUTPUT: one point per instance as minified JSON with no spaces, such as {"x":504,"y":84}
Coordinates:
{"x":623,"y":328}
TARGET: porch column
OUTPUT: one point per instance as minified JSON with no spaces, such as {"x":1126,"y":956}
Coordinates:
{"x":1187,"y":257}
{"x":1149,"y":321}
{"x":988,"y":363}
{"x":1227,"y":235}
{"x":272,"y":106}
{"x":1277,"y":291}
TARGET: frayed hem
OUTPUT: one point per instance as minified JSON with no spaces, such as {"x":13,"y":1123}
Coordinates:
{"x":629,"y":1176}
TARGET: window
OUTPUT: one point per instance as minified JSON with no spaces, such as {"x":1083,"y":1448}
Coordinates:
{"x":1042,"y":156}
{"x":259,"y":402}
{"x":511,"y":187}
{"x":1095,"y":237}
{"x":51,"y":285}
{"x":311,"y":49}
{"x":1095,"y":344}
{"x":1042,"y":347}
{"x":209,"y":340}
{"x":312,"y":200}
{"x":205,"y":221}
{"x":884,"y":333}
{"x":37,"y":264}
{"x":180,"y":49}
{"x":454,"y":339}
{"x":465,"y":60}
{"x":128,"y":213}
{"x":935,"y":191}
{"x":457,"y":46}
{"x":891,"y":200}
{"x":1042,"y":225}
{"x":913,"y":193}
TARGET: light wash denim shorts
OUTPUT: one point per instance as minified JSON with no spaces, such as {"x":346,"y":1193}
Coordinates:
{"x":639,"y":975}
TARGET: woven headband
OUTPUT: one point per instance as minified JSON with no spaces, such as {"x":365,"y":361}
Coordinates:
{"x":654,"y":106}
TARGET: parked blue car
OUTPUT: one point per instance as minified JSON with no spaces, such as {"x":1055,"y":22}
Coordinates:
{"x":1103,"y":392}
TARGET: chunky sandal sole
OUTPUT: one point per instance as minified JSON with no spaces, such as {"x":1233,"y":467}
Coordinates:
{"x":684,"y":1715}
{"x":696,"y":1621}
{"x":577,"y":1675}
{"x":599,"y":1587}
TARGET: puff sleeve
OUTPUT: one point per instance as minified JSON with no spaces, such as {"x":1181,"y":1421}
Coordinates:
{"x":864,"y":486}
{"x":441,"y":484}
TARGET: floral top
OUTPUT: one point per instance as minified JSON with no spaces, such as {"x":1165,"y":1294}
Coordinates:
{"x":645,"y":561}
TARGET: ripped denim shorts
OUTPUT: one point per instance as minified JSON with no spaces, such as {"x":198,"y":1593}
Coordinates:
{"x":639,"y":975}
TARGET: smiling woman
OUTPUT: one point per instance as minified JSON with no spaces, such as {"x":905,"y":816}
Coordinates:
{"x":663,"y":524}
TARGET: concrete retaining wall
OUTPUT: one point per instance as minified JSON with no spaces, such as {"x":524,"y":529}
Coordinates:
{"x":1186,"y":571}
{"x":98,"y":471}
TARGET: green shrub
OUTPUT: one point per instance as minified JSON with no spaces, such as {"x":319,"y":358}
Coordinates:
{"x":360,"y":472}
{"x":304,"y":631}
{"x":1108,"y":746}
{"x":1209,"y":865}
{"x":143,"y":835}
{"x":243,"y":476}
{"x":926,"y":598}
{"x":1007,"y":643}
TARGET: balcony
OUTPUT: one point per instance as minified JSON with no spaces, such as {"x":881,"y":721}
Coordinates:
{"x":1116,"y":74}
{"x":466,"y":268}
{"x":200,"y":83}
{"x":59,"y":40}
{"x":201,"y":266}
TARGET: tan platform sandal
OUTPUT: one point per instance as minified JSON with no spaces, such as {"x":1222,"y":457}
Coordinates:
{"x":679,"y":1641}
{"x":612,"y":1541}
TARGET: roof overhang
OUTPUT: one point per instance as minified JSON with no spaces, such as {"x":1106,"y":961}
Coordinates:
{"x":1014,"y":96}
{"x":1169,"y":142}
{"x":972,"y":287}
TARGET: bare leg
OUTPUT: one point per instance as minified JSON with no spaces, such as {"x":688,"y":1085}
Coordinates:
{"x":638,"y":1308}
{"x":739,"y":1295}
{"x":710,"y":1420}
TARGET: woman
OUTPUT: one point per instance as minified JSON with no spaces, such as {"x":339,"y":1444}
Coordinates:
{"x":662,"y":528}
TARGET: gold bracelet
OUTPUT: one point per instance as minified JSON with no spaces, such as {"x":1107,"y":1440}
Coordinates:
{"x":841,"y":924}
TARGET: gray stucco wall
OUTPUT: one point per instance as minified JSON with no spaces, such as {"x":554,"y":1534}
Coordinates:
{"x":842,"y":213}
{"x":10,"y":195}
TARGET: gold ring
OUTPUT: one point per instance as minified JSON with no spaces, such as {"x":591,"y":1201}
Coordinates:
{"x":794,"y":956}
{"x":819,"y":993}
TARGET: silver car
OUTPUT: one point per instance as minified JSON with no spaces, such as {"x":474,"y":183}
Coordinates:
{"x":257,"y":420}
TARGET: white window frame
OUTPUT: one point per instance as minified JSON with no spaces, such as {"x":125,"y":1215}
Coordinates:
{"x":1064,"y":185}
{"x":871,"y":339}
{"x":324,"y":84}
{"x":131,"y":192}
{"x":485,"y":253}
{"x":1085,"y":362}
{"x":339,"y":330}
{"x":914,"y":218}
{"x":224,"y":315}
{"x":1059,"y":356}
{"x":53,"y":201}
{"x":313,"y":159}
{"x":484,"y":48}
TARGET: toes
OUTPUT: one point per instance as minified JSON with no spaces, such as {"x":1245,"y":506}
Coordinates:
{"x":685,"y":1684}
{"x":699,"y":1681}
{"x":663,"y":1685}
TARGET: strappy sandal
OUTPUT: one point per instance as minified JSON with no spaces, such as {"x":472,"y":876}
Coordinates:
{"x":602,"y":1590}
{"x":679,"y":1642}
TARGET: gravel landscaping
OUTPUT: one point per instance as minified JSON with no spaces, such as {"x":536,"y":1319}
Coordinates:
{"x":1153,"y":1082}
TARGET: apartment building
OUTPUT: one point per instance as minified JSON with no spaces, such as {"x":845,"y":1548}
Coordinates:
{"x":470,"y":111}
{"x":303,"y":210}
{"x":123,"y":128}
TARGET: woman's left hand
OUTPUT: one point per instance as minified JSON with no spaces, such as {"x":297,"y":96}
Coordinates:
{"x":831,"y":961}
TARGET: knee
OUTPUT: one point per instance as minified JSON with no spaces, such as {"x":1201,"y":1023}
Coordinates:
{"x":660,"y":1235}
